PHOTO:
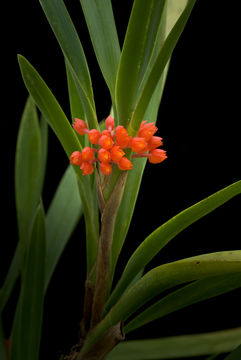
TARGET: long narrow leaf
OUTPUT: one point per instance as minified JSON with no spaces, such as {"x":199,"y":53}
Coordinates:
{"x":101,"y":24}
{"x":166,"y":232}
{"x":157,"y":68}
{"x":62,"y":217}
{"x":162,"y":278}
{"x":132,"y":186}
{"x":63,"y":28}
{"x":44,"y":148}
{"x":138,"y":45}
{"x":49,"y":106}
{"x":25,"y":341}
{"x":27,"y":171}
{"x":190,"y":294}
{"x":178,"y":346}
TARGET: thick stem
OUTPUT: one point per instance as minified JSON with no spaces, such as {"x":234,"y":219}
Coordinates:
{"x":105,"y":242}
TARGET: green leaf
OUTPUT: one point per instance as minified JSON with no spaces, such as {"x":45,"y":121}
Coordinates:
{"x":44,"y":147}
{"x":157,"y":69}
{"x":177,"y":346}
{"x":138,"y":45}
{"x":190,"y":294}
{"x":10,"y":279}
{"x":101,"y":24}
{"x":166,"y":232}
{"x":132,"y":186}
{"x":236,"y":354}
{"x":27,"y":171}
{"x":63,"y":28}
{"x":25,"y":340}
{"x":162,"y":278}
{"x":3,"y":355}
{"x":62,"y":217}
{"x":49,"y":107}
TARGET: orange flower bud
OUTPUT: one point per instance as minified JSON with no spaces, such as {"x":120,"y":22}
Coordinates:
{"x":76,"y":158}
{"x":106,"y":142}
{"x":138,"y":144}
{"x":105,"y":168}
{"x":104,"y":155}
{"x":125,"y":164}
{"x":94,"y":136}
{"x":122,"y":137}
{"x":147,"y":130}
{"x":109,"y":123}
{"x":157,"y":156}
{"x":106,"y":132}
{"x":80,"y":126}
{"x":154,"y":142}
{"x":87,"y":154}
{"x":87,"y":168}
{"x":116,"y":153}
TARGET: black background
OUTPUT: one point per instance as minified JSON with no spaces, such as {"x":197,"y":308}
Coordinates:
{"x":199,"y":120}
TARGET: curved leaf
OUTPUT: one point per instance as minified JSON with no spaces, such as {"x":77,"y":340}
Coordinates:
{"x":101,"y":24}
{"x":166,"y":232}
{"x":44,"y":148}
{"x":190,"y":294}
{"x":235,"y":354}
{"x":138,"y":45}
{"x":162,"y":278}
{"x":178,"y":346}
{"x":27,"y":171}
{"x":62,"y":217}
{"x":157,"y":69}
{"x":25,"y":340}
{"x":63,"y":28}
{"x":49,"y":106}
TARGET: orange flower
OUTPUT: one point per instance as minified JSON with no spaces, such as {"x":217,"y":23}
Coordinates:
{"x":116,"y":153}
{"x":109,"y":123}
{"x":147,"y":130}
{"x":76,"y":158}
{"x":105,"y":168}
{"x":154,"y":142}
{"x":138,"y":144}
{"x":106,"y":142}
{"x":80,"y":126}
{"x":94,"y":136}
{"x":157,"y":156}
{"x":87,"y":168}
{"x":87,"y":154}
{"x":125,"y":164}
{"x":104,"y":155}
{"x":122,"y":137}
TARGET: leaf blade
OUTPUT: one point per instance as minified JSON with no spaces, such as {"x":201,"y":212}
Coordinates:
{"x":166,"y":232}
{"x":25,"y":340}
{"x":138,"y":45}
{"x":63,"y":28}
{"x":190,"y":294}
{"x":178,"y":346}
{"x":101,"y":24}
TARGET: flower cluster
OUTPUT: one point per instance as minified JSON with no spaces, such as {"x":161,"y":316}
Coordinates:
{"x":112,"y":142}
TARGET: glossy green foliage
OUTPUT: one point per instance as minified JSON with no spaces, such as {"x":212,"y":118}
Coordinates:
{"x":162,"y":278}
{"x":26,"y":335}
{"x":236,"y":353}
{"x":62,"y":217}
{"x":101,"y":24}
{"x":28,"y":162}
{"x":178,"y":346}
{"x":166,"y":232}
{"x":49,"y":106}
{"x":63,"y":28}
{"x":190,"y":294}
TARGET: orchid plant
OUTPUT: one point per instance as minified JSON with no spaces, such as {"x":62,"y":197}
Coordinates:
{"x":107,"y":159}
